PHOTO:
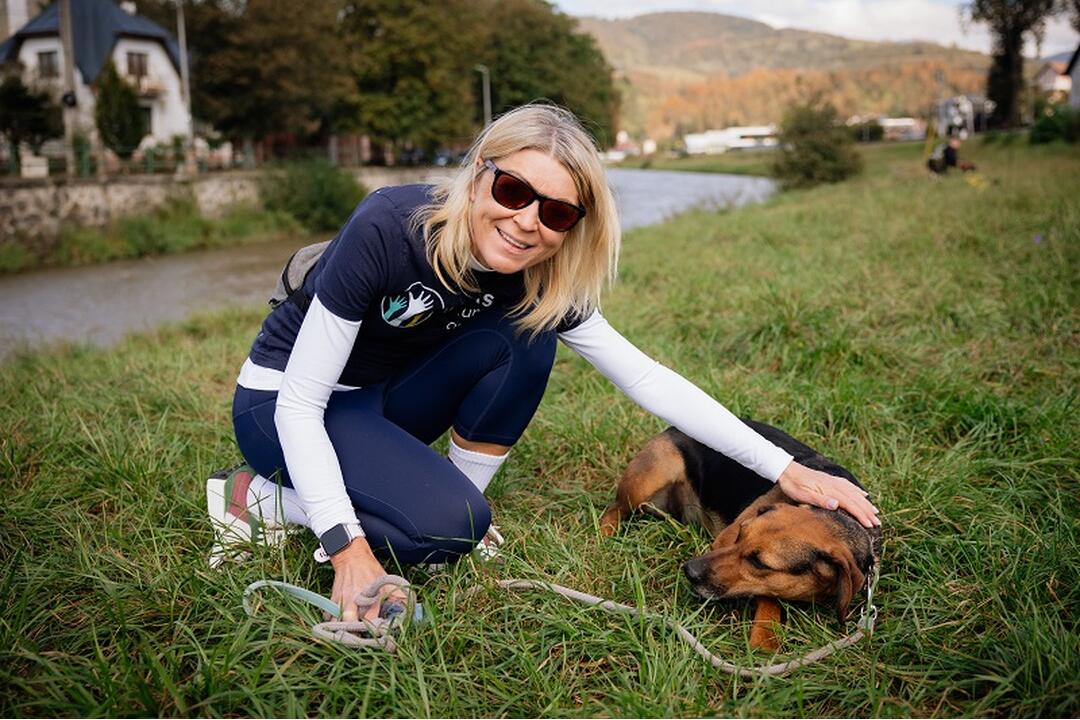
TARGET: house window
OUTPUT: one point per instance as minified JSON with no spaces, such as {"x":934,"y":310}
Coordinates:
{"x":48,"y":64}
{"x":148,"y":115}
{"x":136,"y":63}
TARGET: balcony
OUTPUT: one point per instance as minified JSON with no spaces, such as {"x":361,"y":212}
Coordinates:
{"x":148,"y":86}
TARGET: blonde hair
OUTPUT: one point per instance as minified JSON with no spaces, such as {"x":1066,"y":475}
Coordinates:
{"x":569,"y":282}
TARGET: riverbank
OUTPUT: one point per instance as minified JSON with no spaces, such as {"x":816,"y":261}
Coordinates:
{"x":175,"y":228}
{"x":80,"y":304}
{"x":68,"y":223}
{"x":922,"y":331}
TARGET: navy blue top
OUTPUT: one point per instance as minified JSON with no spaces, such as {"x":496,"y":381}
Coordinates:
{"x":376,"y":270}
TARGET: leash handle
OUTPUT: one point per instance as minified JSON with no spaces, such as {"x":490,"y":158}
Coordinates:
{"x":325,"y":604}
{"x":359,"y":633}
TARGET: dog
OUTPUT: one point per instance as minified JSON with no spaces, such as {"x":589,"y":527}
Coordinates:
{"x":765,"y":546}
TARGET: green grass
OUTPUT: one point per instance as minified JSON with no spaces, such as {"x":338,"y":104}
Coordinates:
{"x":922,"y":331}
{"x":731,"y":163}
{"x":877,"y":155}
{"x":174,"y":228}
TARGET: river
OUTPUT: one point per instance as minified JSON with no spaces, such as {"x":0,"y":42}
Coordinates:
{"x":99,"y":304}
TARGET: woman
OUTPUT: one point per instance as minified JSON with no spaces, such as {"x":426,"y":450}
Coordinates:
{"x":436,"y":308}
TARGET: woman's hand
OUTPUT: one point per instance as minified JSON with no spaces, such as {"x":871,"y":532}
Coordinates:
{"x":355,"y":568}
{"x":804,"y":485}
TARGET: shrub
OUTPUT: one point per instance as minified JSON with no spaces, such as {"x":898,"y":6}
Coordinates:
{"x":317,"y":194}
{"x":1057,"y":122}
{"x":117,"y":113}
{"x":814,"y":147}
{"x":14,"y":257}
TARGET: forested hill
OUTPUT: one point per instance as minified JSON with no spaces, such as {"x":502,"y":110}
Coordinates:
{"x":696,"y":69}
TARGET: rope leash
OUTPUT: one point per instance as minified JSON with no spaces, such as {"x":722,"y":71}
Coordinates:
{"x":865,"y":626}
{"x":356,"y":633}
{"x":366,"y":633}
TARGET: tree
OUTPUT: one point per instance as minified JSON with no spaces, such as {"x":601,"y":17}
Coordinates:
{"x":26,"y":115}
{"x":273,"y":66}
{"x":412,"y":65}
{"x":210,"y":27}
{"x":117,"y":113}
{"x":1010,"y":21}
{"x":536,"y":52}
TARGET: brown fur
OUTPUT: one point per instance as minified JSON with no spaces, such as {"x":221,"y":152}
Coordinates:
{"x":773,"y":549}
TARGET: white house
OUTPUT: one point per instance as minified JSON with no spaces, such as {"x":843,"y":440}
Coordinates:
{"x":144,"y":53}
{"x":1051,"y":78}
{"x":1073,"y":71}
{"x":744,"y":137}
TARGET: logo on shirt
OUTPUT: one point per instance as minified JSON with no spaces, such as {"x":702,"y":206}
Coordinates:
{"x":412,"y":307}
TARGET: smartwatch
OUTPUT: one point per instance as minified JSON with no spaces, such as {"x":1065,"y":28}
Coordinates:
{"x":338,"y":538}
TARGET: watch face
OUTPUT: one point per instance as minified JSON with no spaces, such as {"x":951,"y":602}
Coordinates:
{"x":335,"y":539}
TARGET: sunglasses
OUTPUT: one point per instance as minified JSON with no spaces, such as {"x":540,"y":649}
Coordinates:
{"x":514,"y":193}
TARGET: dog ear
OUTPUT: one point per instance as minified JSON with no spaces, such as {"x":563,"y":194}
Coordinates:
{"x":849,"y":578}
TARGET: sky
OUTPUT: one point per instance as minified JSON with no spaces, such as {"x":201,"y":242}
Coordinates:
{"x":933,"y":20}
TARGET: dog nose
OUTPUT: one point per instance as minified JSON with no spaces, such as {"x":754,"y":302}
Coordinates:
{"x":696,"y":570}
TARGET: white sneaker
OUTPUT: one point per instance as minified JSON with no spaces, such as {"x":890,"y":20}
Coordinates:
{"x":235,"y":526}
{"x":488,"y":548}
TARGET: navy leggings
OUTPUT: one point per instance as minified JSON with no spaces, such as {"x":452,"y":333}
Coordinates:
{"x":486,"y":381}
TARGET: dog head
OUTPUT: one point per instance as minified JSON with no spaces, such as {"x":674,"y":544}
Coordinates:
{"x":791,"y":552}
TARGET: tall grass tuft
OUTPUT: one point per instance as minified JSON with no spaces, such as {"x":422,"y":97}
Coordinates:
{"x":922,"y":331}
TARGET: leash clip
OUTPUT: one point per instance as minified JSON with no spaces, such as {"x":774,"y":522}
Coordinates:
{"x":870,"y":611}
{"x":867,"y":619}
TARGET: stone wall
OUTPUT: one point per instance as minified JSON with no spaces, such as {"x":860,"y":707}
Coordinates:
{"x":35,"y":210}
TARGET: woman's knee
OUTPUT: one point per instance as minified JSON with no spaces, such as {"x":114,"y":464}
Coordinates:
{"x":442,"y":537}
{"x":534,"y":358}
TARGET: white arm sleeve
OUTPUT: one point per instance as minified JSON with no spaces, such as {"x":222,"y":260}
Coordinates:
{"x":672,"y":397}
{"x":318,"y":356}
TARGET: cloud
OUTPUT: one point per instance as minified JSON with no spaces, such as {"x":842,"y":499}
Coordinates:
{"x":935,"y":21}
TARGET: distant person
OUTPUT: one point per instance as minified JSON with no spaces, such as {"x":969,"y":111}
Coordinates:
{"x":438,"y":308}
{"x":947,"y":155}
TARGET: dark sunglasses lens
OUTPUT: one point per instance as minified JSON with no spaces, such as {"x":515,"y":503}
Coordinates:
{"x":510,"y":192}
{"x":558,"y":216}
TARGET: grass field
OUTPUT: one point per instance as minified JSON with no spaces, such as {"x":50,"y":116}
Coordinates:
{"x":923,"y":332}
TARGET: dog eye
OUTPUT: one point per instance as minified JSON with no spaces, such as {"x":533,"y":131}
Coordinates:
{"x":755,"y":560}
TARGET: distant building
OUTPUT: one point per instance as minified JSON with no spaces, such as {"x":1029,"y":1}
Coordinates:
{"x":746,"y":137}
{"x":1053,"y":79}
{"x":1073,"y":71}
{"x":144,"y":53}
{"x":902,"y":128}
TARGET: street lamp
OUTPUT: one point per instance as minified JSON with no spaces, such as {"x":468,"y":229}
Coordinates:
{"x":486,"y":75}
